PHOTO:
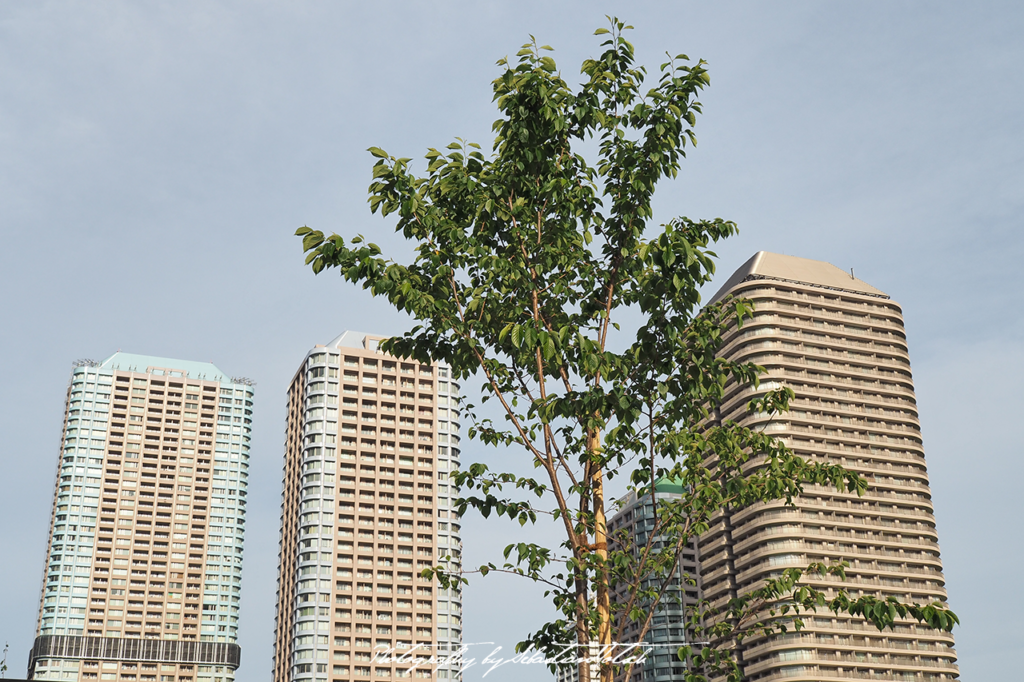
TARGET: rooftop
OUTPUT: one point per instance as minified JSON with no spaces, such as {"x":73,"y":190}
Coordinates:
{"x":354,"y":339}
{"x":794,"y":269}
{"x":131,"y":362}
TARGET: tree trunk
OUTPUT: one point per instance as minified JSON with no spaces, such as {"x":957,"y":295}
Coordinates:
{"x":603,"y":598}
{"x":582,"y":629}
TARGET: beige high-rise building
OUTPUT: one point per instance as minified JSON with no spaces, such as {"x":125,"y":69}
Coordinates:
{"x":367,"y":506}
{"x":839,"y":343}
{"x":144,"y":562}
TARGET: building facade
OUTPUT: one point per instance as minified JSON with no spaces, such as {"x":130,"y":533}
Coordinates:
{"x":143,"y":565}
{"x":366,"y":506}
{"x":635,"y":521}
{"x":572,"y":674}
{"x":840,"y":344}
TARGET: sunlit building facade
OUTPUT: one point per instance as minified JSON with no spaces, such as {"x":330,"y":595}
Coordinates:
{"x":840,"y":344}
{"x":366,"y":506}
{"x":143,"y":567}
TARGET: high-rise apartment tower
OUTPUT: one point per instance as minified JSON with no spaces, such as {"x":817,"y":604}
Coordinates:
{"x":143,"y":566}
{"x":636,"y":521}
{"x":839,"y":343}
{"x":366,"y":506}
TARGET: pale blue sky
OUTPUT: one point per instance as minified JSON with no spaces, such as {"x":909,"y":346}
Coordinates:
{"x":155,"y":159}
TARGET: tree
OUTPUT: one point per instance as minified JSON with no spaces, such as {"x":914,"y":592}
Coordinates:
{"x":525,"y":262}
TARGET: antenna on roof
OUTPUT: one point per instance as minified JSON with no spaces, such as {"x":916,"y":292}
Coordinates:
{"x":851,"y":274}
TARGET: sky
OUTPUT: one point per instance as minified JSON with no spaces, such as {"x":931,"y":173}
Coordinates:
{"x":156,"y":158}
